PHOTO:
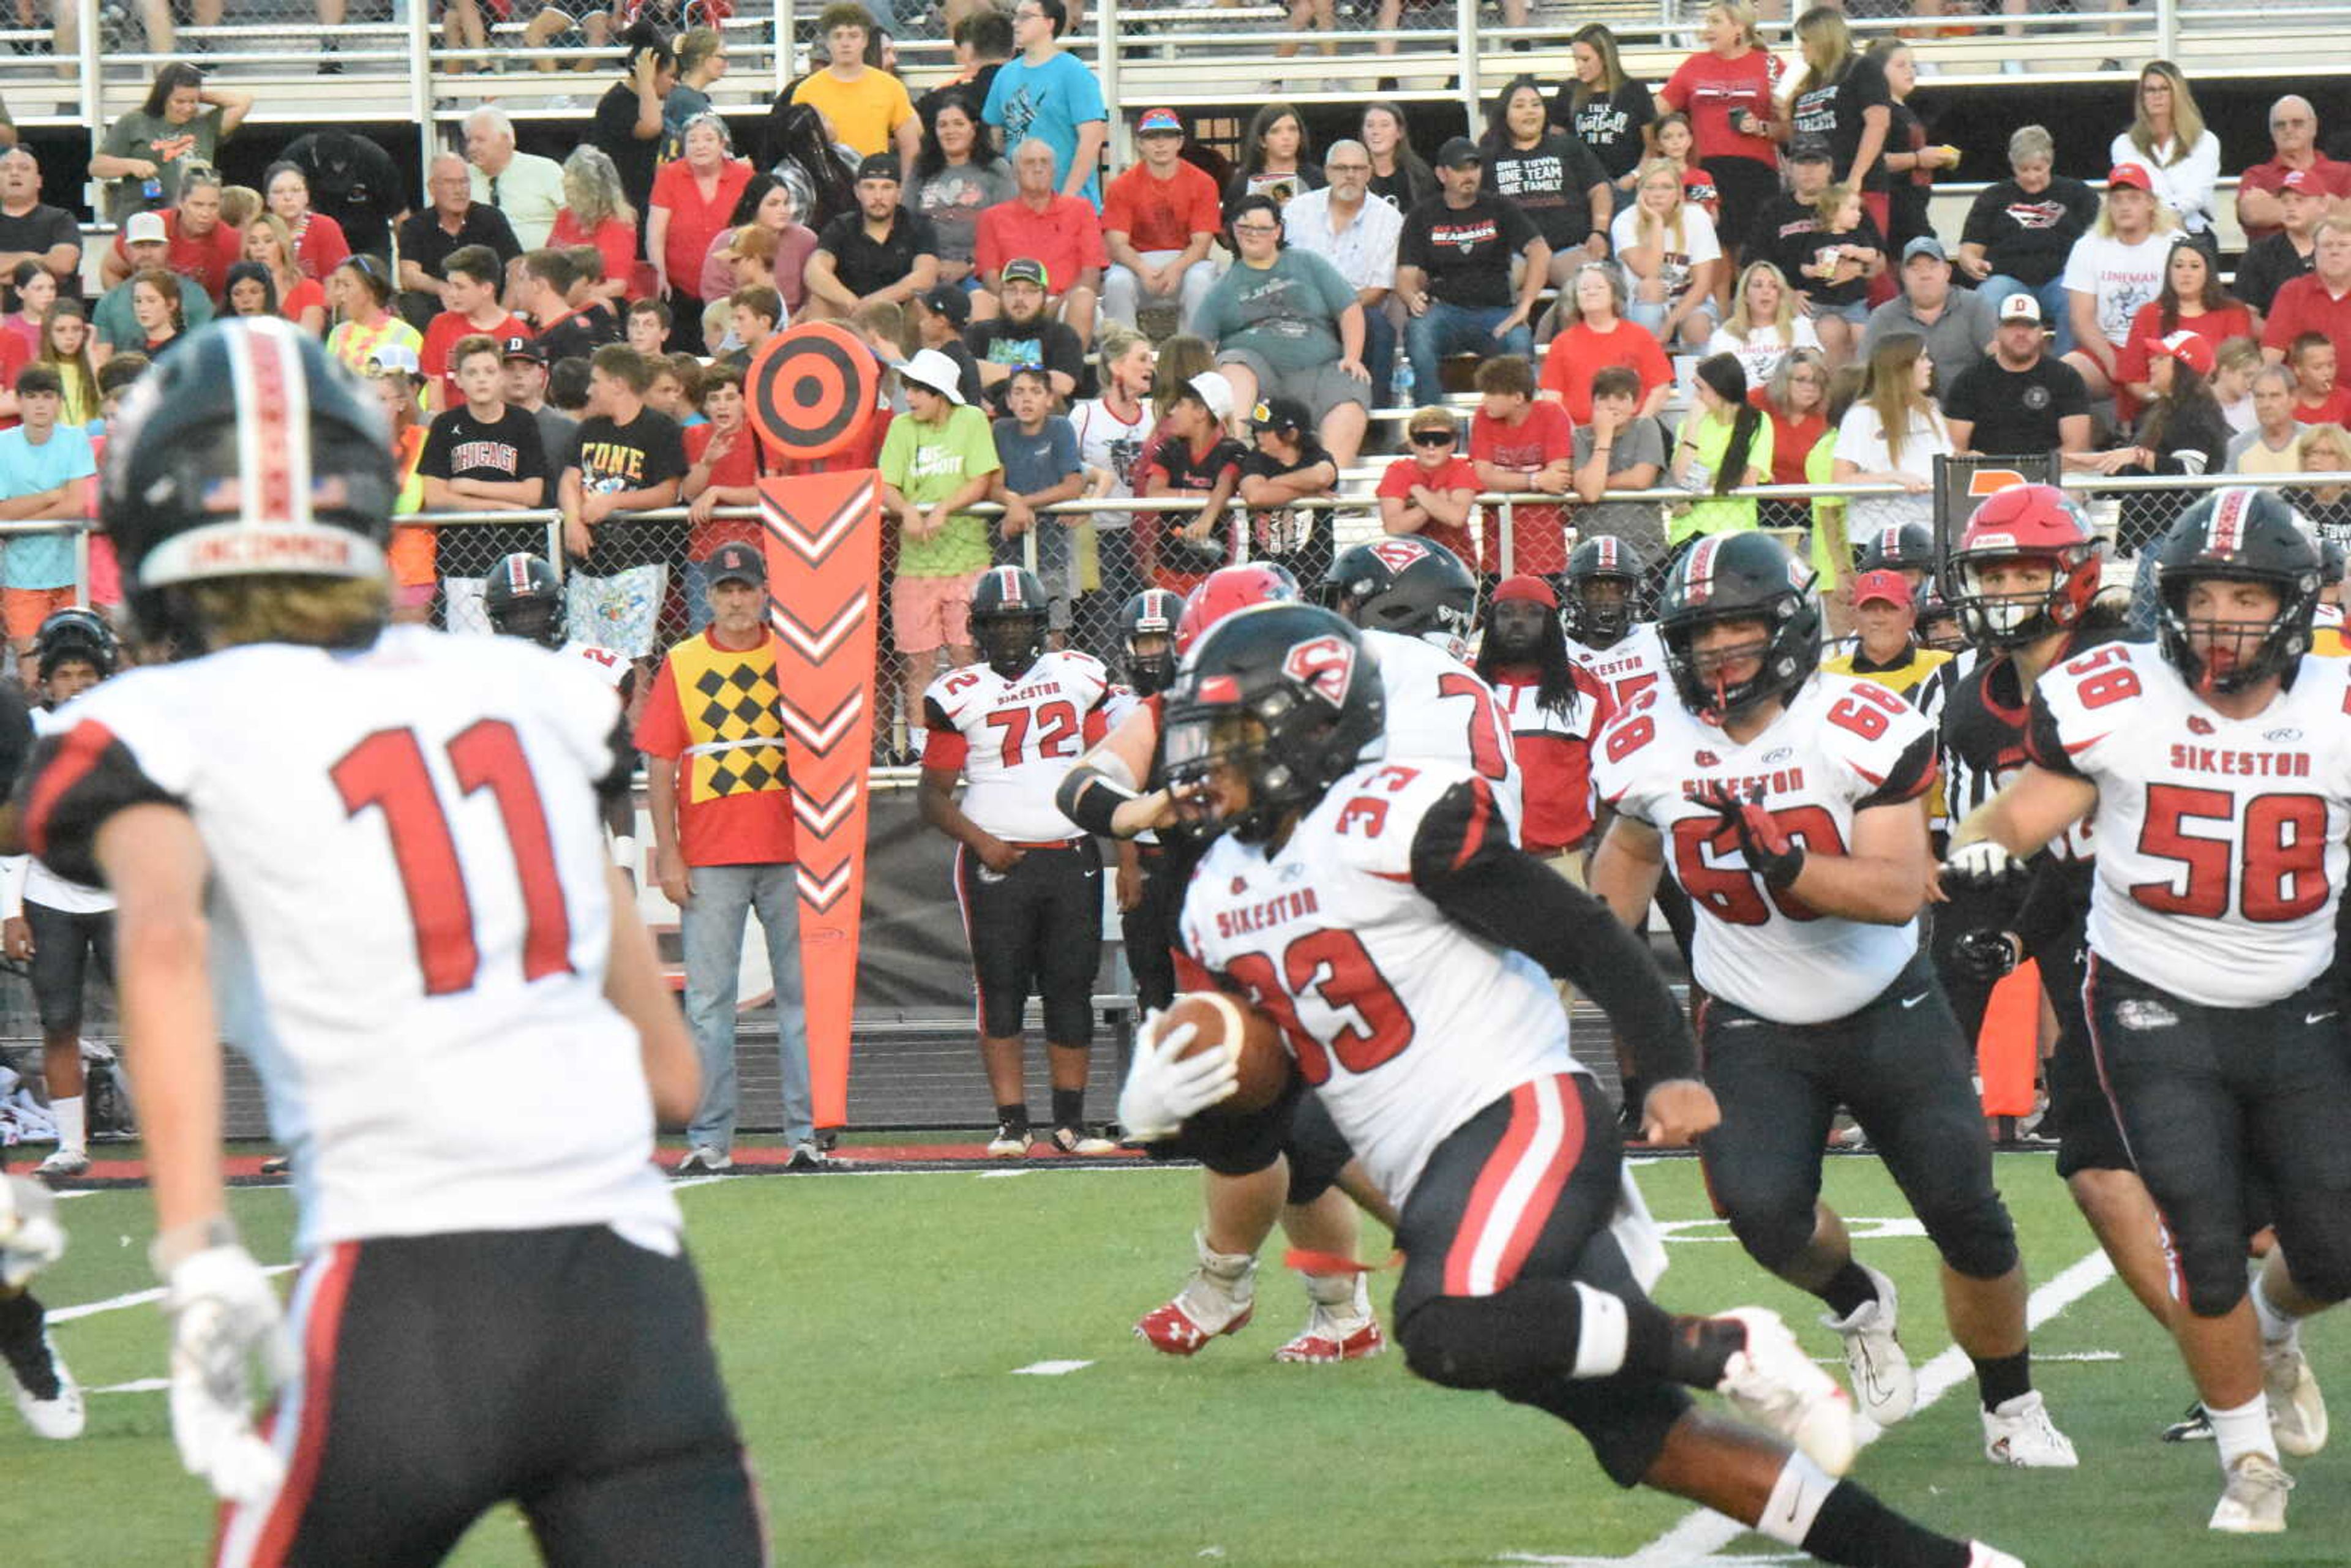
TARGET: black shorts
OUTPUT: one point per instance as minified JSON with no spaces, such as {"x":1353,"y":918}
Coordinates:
{"x":1900,"y":1066}
{"x":63,"y":946}
{"x":1035,"y":929}
{"x":1492,"y":1209}
{"x":1296,"y":1127}
{"x":2227,"y":1109}
{"x":566,"y":1371}
{"x":1149,"y":929}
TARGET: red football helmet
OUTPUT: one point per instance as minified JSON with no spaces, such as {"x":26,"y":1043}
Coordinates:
{"x":2033,"y":524}
{"x":1227,"y":589}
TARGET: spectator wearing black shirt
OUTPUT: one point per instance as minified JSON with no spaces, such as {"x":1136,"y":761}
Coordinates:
{"x":1286,"y":464}
{"x":481,"y":456}
{"x":353,"y":181}
{"x":983,"y":42}
{"x":1783,"y":232}
{"x":2020,"y":231}
{"x":629,"y":458}
{"x":628,"y":123}
{"x":2019,"y":402}
{"x":1610,"y":115}
{"x":1453,"y":269}
{"x":543,"y":289}
{"x":1843,"y":96}
{"x":1398,"y":176}
{"x":1553,"y":177}
{"x":1025,"y":334}
{"x":940,"y":315}
{"x":33,"y":231}
{"x":2274,"y":260}
{"x":529,"y":379}
{"x":881,"y":252}
{"x":454,"y":221}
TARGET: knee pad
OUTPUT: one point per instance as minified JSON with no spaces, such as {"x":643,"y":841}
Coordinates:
{"x":1774,"y":1232}
{"x":1976,"y":1239}
{"x":2321,"y":1265}
{"x":1452,"y":1342}
{"x":2212,"y":1279}
{"x":1536,"y":1328}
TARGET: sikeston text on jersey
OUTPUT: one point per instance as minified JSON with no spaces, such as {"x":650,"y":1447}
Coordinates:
{"x":1274,"y":911}
{"x":1779,"y":781}
{"x":2242,"y":764}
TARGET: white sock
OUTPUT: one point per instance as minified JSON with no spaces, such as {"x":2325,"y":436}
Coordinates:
{"x":1337,"y":1291}
{"x":1600,"y":1338}
{"x":2277,"y":1328}
{"x":917,"y":737}
{"x":73,"y":1132}
{"x":1796,"y":1499}
{"x":2243,"y":1430}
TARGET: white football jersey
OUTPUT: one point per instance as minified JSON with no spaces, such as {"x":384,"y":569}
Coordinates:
{"x":38,"y":883}
{"x":1406,"y":1023}
{"x":1019,"y":739}
{"x":1633,"y":664}
{"x":1842,"y":746}
{"x":2221,"y":852}
{"x":614,"y":668}
{"x":1440,"y":709}
{"x":410,"y":917}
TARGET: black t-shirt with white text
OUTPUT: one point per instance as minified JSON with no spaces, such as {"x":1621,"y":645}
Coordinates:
{"x":1834,"y":110}
{"x":459,"y":447}
{"x":2028,"y":236}
{"x":1295,"y":536}
{"x":1610,"y":127}
{"x":615,"y":458}
{"x":1465,"y":251}
{"x":1549,"y":181}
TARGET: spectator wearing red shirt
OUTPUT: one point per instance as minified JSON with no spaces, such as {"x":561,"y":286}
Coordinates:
{"x":1158,"y":220}
{"x":718,"y":790}
{"x":2319,"y":301}
{"x":2294,"y":138}
{"x":725,"y":454}
{"x":1040,"y":224}
{"x":692,"y":199}
{"x":2193,"y":300}
{"x":1597,"y":336}
{"x":2318,"y":398}
{"x":470,"y":284}
{"x":319,"y":242}
{"x":200,"y":247}
{"x":1519,"y":444}
{"x":1191,"y":455}
{"x":1554,"y":708}
{"x":1727,"y":90}
{"x":1434,"y":491}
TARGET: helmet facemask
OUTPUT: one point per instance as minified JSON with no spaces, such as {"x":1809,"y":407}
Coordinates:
{"x":1010,"y":643}
{"x":539,"y":620}
{"x":2012,"y":617}
{"x":1601,"y":616}
{"x":1223,"y":775}
{"x":2223,"y":654}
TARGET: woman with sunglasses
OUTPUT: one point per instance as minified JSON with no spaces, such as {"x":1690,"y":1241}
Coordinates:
{"x":1432,"y":490}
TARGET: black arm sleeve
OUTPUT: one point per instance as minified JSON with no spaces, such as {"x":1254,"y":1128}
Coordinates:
{"x":1462,"y":859}
{"x":1088,"y":798}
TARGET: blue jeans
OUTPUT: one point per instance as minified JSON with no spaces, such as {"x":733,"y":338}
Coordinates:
{"x":711,"y":928}
{"x":1451,"y":329}
{"x":1379,"y":356}
{"x":2056,"y":308}
{"x":697,"y":599}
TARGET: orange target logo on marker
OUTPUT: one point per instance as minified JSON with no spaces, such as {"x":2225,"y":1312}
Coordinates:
{"x":812,"y":389}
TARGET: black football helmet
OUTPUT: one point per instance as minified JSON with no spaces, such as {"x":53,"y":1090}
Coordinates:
{"x":244,"y":451}
{"x":1288,"y":695}
{"x":524,"y":598}
{"x":1744,"y":576}
{"x":1401,"y":583}
{"x":1600,"y":619}
{"x":2237,"y":535}
{"x":1153,"y":612}
{"x":1010,"y":613}
{"x":1904,"y":546}
{"x":76,"y":633}
{"x":2332,"y":560}
{"x":1938,"y":623}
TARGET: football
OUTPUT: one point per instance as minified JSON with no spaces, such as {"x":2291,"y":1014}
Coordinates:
{"x":1225,"y":1023}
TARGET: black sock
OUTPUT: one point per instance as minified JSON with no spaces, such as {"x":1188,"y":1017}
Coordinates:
{"x":1692,"y":1351}
{"x":1637,"y":1094}
{"x":1849,"y":1290}
{"x":1853,"y":1527}
{"x":20,"y":1316}
{"x":1069,"y":1107}
{"x":1015,"y":1116}
{"x":2001,"y":1378}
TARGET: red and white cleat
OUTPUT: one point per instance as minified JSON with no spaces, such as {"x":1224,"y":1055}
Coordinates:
{"x":1173,"y":1330}
{"x":1219,"y":1299}
{"x":1334,"y":1336}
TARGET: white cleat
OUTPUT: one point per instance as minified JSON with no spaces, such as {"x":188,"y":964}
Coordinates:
{"x":56,"y":1412}
{"x":1883,"y":1387}
{"x":2297,"y":1409}
{"x":1774,"y":1384}
{"x":2019,"y":1433}
{"x":63,"y":1165}
{"x":1982,"y":1556}
{"x":2254,"y":1501}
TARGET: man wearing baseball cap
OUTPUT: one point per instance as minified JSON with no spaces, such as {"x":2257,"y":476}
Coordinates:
{"x":147,"y":243}
{"x":1784,"y":229}
{"x":938,"y":458}
{"x":2019,"y":400}
{"x":1886,"y":647}
{"x":1025,"y":334}
{"x":1158,"y":220}
{"x":2112,"y":271}
{"x":524,"y":365}
{"x":1062,"y":234}
{"x":879,"y":253}
{"x":1956,"y":322}
{"x":1453,"y":269}
{"x":718,"y":790}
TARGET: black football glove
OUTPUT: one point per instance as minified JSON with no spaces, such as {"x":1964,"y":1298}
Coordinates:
{"x":1770,"y":854}
{"x":1985,"y":954}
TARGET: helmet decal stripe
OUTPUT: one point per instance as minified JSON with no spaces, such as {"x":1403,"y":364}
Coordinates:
{"x":1699,"y":576}
{"x":2225,"y":535}
{"x":1608,"y":552}
{"x":273,"y":429}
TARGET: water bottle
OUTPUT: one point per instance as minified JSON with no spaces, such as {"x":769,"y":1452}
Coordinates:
{"x":152,"y":187}
{"x":1400,"y":386}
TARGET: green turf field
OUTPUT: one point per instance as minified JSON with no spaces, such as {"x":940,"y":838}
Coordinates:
{"x":871,"y":1327}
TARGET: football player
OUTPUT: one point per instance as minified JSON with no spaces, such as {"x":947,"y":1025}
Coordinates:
{"x":1905,"y":548}
{"x":1378,"y":912}
{"x":400,"y":909}
{"x":1784,"y":800}
{"x":523,"y":597}
{"x":1621,"y":654}
{"x":2214,"y":770}
{"x":1028,"y":882}
{"x":1149,"y":891}
{"x":56,"y":926}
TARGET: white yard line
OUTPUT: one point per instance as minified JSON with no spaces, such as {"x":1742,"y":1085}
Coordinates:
{"x":1700,"y":1535}
{"x":1051,"y":1368}
{"x":132,"y":1298}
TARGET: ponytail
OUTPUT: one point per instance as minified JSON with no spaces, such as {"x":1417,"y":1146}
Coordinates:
{"x":1733,"y":471}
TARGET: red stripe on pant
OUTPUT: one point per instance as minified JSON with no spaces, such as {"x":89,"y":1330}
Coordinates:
{"x":1521,"y":1222}
{"x":321,"y":1331}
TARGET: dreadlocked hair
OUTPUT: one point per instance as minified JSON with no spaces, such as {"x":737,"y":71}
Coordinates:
{"x":1555,"y":690}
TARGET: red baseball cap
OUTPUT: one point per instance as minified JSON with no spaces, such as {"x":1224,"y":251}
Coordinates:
{"x":1885,"y":585}
{"x":1526,"y":589}
{"x":2128,"y":176}
{"x":2304,"y":180}
{"x":2188,"y":349}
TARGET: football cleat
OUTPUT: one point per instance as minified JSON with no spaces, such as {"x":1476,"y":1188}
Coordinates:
{"x":1218,"y":1299}
{"x":47,"y":1395}
{"x":807,"y":1155}
{"x":1070,"y":1140}
{"x":1773,"y":1383}
{"x":1338,"y":1331}
{"x":1011,"y":1143}
{"x":1883,"y":1387}
{"x":2297,"y":1409}
{"x":63,"y":1165}
{"x":1982,"y":1556}
{"x":2193,"y":1426}
{"x":2254,"y":1502}
{"x":2019,"y":1433}
{"x":703,"y":1160}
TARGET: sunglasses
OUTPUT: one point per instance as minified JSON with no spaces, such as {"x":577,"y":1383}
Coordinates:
{"x":1432,"y":438}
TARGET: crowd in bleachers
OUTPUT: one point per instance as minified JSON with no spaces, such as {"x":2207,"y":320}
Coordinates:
{"x":1730,"y":276}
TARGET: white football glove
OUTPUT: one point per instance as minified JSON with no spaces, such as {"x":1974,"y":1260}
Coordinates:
{"x":1162,"y":1092}
{"x":1984,"y":863}
{"x":30,"y":1237}
{"x":224,"y":1314}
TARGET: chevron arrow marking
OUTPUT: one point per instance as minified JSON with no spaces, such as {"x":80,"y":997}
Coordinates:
{"x":814,"y":547}
{"x":822,"y":818}
{"x":818,"y":642}
{"x":822,"y":734}
{"x":823,"y":893}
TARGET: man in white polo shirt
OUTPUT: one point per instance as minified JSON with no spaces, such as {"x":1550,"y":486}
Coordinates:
{"x":1342,"y":226}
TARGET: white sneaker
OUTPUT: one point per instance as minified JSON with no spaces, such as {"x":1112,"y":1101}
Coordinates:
{"x":1774,"y":1384}
{"x":2254,"y":1501}
{"x":702,"y":1159}
{"x":1884,"y":1387}
{"x":63,"y":1164}
{"x":2019,"y":1433}
{"x":2297,"y":1409}
{"x":1011,"y":1143}
{"x":60,"y":1415}
{"x":1982,"y":1556}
